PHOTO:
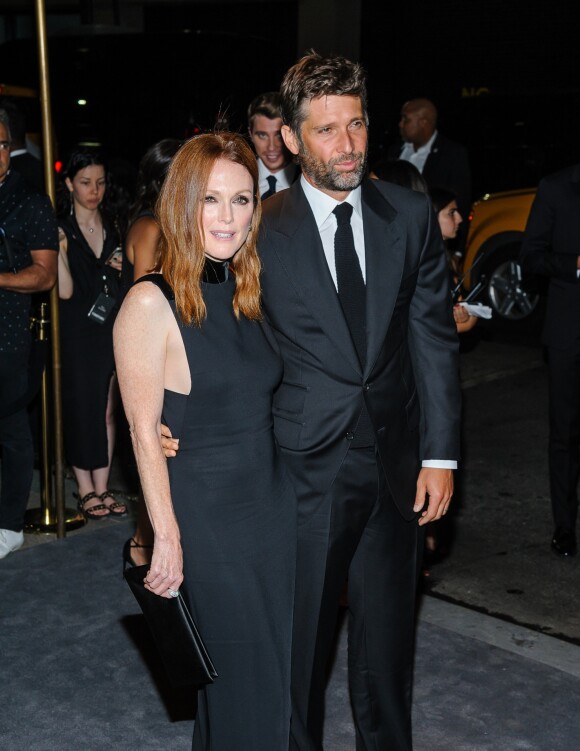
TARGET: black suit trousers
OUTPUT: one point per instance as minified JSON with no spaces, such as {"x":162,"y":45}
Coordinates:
{"x":15,"y":441}
{"x":564,"y":442}
{"x":355,"y":532}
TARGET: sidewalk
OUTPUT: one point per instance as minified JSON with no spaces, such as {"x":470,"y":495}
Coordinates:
{"x":74,"y":646}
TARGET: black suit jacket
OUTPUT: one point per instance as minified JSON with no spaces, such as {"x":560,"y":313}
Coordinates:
{"x":410,"y":381}
{"x":551,"y":247}
{"x":447,"y":166}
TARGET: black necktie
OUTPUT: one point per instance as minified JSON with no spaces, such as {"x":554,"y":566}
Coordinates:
{"x":272,"y":189}
{"x":352,"y":296}
{"x":349,"y":279}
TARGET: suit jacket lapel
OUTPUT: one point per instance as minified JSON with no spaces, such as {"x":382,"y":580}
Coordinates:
{"x":302,"y":256}
{"x":385,"y":257}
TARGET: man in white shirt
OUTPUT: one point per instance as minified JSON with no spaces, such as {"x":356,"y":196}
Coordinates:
{"x":355,"y":289}
{"x":277,"y":171}
{"x":442,"y":162}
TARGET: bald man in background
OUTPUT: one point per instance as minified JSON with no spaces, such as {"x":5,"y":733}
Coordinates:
{"x":442,"y":162}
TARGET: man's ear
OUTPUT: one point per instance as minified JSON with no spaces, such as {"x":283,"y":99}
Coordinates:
{"x":290,"y":139}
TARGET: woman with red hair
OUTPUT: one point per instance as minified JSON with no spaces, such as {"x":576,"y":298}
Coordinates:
{"x":190,"y":346}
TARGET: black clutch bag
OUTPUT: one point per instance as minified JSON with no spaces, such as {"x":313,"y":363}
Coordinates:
{"x":180,"y":645}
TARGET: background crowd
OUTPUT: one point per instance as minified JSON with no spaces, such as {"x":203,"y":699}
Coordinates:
{"x":108,"y":238}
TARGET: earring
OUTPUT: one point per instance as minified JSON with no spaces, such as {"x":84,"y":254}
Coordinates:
{"x":72,"y":203}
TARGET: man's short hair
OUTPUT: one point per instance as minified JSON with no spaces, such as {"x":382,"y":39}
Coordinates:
{"x":5,"y":121}
{"x":267,"y":104}
{"x":314,"y":76}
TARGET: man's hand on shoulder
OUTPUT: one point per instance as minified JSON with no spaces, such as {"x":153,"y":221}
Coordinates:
{"x":436,"y":487}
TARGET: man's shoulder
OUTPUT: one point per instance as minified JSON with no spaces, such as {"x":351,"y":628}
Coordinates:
{"x":30,"y":168}
{"x":29,"y":212}
{"x":26,"y":158}
{"x":447,"y":145}
{"x":274,"y":207}
{"x":564,"y":176}
{"x":398,"y":196}
{"x":21,"y":189}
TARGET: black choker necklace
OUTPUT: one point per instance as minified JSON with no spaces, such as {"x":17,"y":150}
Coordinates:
{"x":215,"y":272}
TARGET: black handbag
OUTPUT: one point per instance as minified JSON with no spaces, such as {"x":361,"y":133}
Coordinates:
{"x":180,"y":645}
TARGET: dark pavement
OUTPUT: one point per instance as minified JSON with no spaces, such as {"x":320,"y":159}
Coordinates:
{"x":499,"y":531}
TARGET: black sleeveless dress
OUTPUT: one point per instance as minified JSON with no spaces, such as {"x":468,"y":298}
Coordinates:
{"x":87,"y":348}
{"x":236,"y":512}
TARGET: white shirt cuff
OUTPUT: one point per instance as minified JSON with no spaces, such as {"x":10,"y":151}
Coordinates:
{"x":439,"y":463}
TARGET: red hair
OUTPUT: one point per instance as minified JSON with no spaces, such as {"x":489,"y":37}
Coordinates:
{"x":181,"y":243}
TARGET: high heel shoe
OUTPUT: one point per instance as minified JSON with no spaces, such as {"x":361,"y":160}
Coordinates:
{"x":127,"y":557}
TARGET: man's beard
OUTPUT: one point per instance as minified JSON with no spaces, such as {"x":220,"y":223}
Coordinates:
{"x":324,"y":175}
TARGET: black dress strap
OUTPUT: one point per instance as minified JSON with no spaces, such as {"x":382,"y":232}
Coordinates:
{"x":160,"y":282}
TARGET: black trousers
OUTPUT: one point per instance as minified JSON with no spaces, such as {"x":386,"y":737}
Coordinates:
{"x":564,"y":442}
{"x":356,"y":532}
{"x":15,"y":442}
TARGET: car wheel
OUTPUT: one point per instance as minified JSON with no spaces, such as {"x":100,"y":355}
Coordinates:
{"x":510,"y":295}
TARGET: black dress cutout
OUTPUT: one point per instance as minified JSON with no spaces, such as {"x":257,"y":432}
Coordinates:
{"x":237,"y":517}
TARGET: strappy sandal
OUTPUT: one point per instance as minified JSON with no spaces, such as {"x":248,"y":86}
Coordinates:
{"x":89,"y":513}
{"x":114,"y":506}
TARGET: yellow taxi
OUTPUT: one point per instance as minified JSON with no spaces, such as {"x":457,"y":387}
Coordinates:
{"x":496,"y":226}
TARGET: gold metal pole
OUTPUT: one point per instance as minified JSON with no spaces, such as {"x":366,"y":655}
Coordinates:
{"x":47,"y":139}
{"x":43,"y":519}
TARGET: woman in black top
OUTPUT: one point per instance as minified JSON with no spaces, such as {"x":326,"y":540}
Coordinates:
{"x":89,"y":266}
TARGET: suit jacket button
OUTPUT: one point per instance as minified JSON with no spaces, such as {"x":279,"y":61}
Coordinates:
{"x":368,"y":386}
{"x":349,"y":436}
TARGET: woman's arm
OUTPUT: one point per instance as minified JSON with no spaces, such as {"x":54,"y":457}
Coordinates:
{"x":65,"y":280}
{"x":140,"y":340}
{"x":141,"y":245}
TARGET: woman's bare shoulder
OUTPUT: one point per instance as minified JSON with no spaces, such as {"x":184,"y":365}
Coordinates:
{"x":146,"y":299}
{"x":145,"y":227}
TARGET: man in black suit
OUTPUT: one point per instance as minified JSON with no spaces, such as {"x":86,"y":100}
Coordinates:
{"x":355,"y":288}
{"x":442,"y":162}
{"x":277,"y":171}
{"x":551,"y":247}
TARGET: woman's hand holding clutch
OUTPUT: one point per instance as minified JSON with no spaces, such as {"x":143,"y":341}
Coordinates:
{"x":165,"y":573}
